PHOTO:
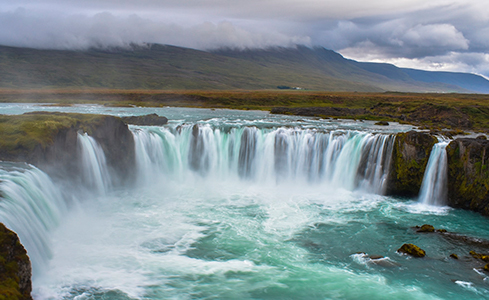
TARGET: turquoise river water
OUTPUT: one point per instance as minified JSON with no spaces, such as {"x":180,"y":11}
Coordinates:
{"x":238,"y":205}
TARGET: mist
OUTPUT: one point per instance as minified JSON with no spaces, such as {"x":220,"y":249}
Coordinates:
{"x":439,"y":35}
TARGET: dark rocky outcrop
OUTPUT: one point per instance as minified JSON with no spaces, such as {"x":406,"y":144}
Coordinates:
{"x":15,"y":267}
{"x":480,"y":256}
{"x":409,"y":159}
{"x":146,"y":120}
{"x":412,"y":250}
{"x":468,"y":174}
{"x":426,"y":228}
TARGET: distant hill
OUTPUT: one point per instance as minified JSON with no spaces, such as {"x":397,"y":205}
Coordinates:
{"x":175,"y":68}
{"x":467,"y":81}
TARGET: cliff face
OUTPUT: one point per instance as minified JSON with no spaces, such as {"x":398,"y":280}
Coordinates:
{"x":409,"y":159}
{"x":468,"y":174}
{"x":15,"y":267}
{"x":49,"y":141}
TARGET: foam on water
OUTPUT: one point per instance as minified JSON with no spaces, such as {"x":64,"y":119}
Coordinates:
{"x":226,"y":244}
{"x":238,"y":209}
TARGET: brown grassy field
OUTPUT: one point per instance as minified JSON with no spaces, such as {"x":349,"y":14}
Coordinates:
{"x":455,"y":111}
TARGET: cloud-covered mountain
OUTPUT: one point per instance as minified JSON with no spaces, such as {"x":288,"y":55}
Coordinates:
{"x":156,"y":66}
{"x":440,"y":35}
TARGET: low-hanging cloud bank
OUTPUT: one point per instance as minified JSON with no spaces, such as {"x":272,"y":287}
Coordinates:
{"x":102,"y":30}
{"x":444,"y":35}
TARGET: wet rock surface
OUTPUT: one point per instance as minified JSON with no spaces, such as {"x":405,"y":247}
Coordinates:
{"x":412,"y":250}
{"x":409,"y":159}
{"x":146,"y":120}
{"x":468,"y":174}
{"x":15,"y":267}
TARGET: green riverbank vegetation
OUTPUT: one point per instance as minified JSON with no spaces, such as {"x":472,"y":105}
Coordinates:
{"x":434,"y":111}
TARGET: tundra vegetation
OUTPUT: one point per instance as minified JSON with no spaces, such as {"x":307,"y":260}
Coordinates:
{"x":458,"y":112}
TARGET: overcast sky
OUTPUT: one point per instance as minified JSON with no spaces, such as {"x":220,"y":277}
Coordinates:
{"x":450,"y":35}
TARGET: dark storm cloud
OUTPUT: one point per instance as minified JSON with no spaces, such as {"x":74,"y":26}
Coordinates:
{"x":437,"y":34}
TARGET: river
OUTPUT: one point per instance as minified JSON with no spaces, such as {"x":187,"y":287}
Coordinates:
{"x":236,"y":205}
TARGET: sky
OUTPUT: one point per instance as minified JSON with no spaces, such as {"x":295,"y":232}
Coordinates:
{"x":441,"y":35}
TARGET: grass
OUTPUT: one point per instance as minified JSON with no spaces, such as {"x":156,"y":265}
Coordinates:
{"x":174,"y":68}
{"x":435,"y":110}
{"x":21,"y":134}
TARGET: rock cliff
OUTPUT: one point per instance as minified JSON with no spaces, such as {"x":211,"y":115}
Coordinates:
{"x":468,"y":174}
{"x":49,"y":141}
{"x":15,"y":267}
{"x":409,"y":158}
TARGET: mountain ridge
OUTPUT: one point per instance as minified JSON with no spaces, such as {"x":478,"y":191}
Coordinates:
{"x":168,"y":67}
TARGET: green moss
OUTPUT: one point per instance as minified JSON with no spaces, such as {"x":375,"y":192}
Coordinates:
{"x":21,"y":134}
{"x":412,"y":250}
{"x":486,"y":268}
{"x":410,"y":156}
{"x":12,"y":254}
{"x":480,"y":256}
{"x":426,"y":228}
{"x":468,"y":175}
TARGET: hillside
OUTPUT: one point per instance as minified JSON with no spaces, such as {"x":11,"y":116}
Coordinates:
{"x":176,"y":68}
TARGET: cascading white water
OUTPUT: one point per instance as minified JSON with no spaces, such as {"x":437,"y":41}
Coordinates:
{"x":348,"y":159}
{"x":376,"y":158}
{"x":93,"y":164}
{"x":31,"y":205}
{"x":434,"y":186}
{"x":235,"y":209}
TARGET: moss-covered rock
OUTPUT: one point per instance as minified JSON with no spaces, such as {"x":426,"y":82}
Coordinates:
{"x":412,"y":250}
{"x":15,"y":267}
{"x":480,"y":256}
{"x":49,"y":140}
{"x":426,"y":228}
{"x":468,"y":174}
{"x":409,"y":159}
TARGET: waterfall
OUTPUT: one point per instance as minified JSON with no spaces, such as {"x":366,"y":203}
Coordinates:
{"x":434,"y":186}
{"x":347,"y":159}
{"x":94,"y":167}
{"x":31,"y":205}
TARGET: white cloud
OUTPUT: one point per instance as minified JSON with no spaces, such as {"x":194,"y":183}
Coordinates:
{"x":404,"y":30}
{"x":434,"y":35}
{"x":25,"y":29}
